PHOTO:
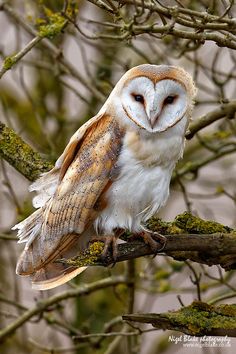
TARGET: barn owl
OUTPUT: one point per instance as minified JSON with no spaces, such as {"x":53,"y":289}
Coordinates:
{"x":113,"y":175}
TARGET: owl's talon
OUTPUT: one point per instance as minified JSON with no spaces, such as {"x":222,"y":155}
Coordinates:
{"x":154,"y":240}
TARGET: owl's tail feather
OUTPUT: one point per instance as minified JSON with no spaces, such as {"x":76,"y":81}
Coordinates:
{"x":53,"y":275}
{"x":29,"y":228}
{"x":46,"y":272}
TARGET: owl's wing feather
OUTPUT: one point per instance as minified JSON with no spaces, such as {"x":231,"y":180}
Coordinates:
{"x":85,"y":175}
{"x":43,"y":281}
{"x":69,"y":153}
{"x":46,"y":185}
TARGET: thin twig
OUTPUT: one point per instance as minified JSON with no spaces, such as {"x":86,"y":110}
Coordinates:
{"x":14,"y":59}
{"x":44,"y":304}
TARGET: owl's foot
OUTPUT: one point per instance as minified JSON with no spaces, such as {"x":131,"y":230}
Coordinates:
{"x":153,"y":239}
{"x":110,"y":243}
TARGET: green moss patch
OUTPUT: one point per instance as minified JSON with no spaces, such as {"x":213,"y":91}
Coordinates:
{"x":88,"y":257}
{"x":197,"y":319}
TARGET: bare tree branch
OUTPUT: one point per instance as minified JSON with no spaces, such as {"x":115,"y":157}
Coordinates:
{"x":205,"y":27}
{"x":225,"y":110}
{"x":42,"y":305}
{"x":9,"y":62}
{"x":194,"y":167}
{"x":66,"y":65}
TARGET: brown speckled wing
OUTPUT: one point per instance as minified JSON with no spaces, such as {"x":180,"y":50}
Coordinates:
{"x":72,"y":207}
{"x":85,"y":176}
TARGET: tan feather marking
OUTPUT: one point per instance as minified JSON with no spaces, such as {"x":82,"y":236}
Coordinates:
{"x":72,"y":150}
{"x":172,"y":73}
{"x":72,"y":208}
{"x":74,"y":141}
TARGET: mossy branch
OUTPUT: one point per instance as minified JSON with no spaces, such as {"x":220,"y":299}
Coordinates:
{"x":10,"y":61}
{"x":188,"y":238}
{"x":198,"y":319}
{"x":20,"y":155}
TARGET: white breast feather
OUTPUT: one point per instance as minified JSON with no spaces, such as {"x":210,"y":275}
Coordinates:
{"x":140,"y":191}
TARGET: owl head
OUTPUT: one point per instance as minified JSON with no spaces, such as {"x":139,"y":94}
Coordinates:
{"x":153,"y":97}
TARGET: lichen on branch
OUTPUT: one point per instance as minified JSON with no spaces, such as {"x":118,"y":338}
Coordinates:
{"x":187,"y":238}
{"x":198,"y":319}
{"x":55,"y":26}
{"x":88,"y":257}
{"x":20,"y":155}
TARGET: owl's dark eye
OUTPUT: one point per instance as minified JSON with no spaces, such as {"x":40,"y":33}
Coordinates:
{"x":139,"y":98}
{"x":169,"y":100}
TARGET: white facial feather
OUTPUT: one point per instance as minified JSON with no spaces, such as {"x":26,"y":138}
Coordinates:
{"x":166,"y":115}
{"x":154,"y":114}
{"x":135,"y":110}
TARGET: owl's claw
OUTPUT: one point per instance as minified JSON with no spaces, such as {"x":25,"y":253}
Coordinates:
{"x":155,"y":240}
{"x":110,"y":243}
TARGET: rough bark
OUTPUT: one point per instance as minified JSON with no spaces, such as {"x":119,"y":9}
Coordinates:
{"x":198,"y":319}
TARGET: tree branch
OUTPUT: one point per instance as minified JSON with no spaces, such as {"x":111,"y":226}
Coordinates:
{"x":193,"y":167}
{"x":205,"y":27}
{"x":42,"y":305}
{"x":56,"y":26}
{"x":10,"y":61}
{"x":57,"y":53}
{"x":169,"y":11}
{"x":188,"y":237}
{"x":20,"y":155}
{"x":210,"y":249}
{"x":225,"y":110}
{"x":198,"y":319}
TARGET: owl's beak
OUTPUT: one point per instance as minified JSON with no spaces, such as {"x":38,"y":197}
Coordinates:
{"x":153,"y":117}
